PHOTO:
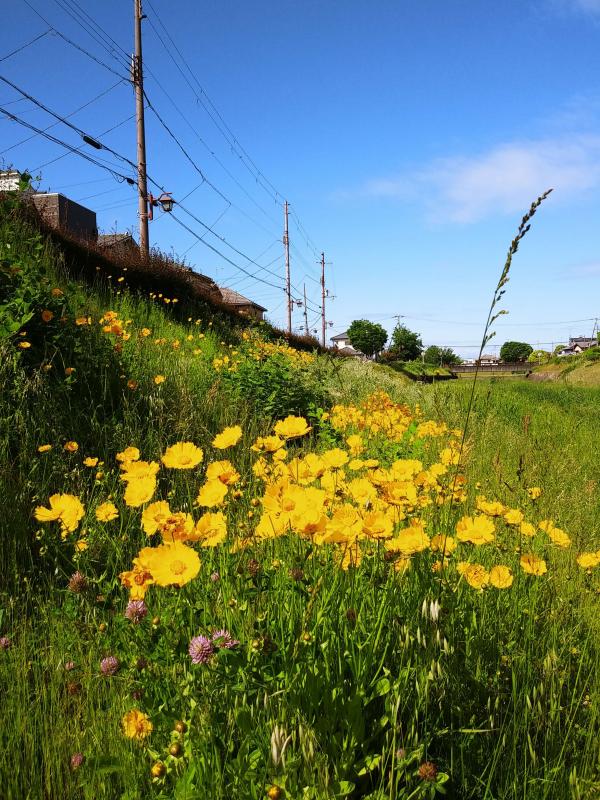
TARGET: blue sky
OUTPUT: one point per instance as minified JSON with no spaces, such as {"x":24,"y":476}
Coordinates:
{"x":409,"y":138}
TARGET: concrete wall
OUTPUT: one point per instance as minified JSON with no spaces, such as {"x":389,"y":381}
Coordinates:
{"x":64,"y":214}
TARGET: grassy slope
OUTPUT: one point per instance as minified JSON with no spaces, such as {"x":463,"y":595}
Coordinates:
{"x":483,"y":718}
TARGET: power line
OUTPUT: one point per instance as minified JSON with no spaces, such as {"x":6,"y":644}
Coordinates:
{"x":86,"y":22}
{"x":86,"y":137}
{"x":225,"y":130}
{"x":55,"y":140}
{"x":68,"y":116}
{"x":72,"y":43}
{"x":104,"y":133}
{"x":27,"y":44}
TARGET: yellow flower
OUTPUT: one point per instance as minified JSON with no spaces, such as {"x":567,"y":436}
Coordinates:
{"x":490,"y":507}
{"x":292,"y":427}
{"x":129,"y":454}
{"x":64,"y":508}
{"x":24,"y":345}
{"x":172,"y":564}
{"x":588,"y":560}
{"x":56,"y":292}
{"x":211,"y":494}
{"x":177,"y":527}
{"x":211,"y":529}
{"x":513,"y":517}
{"x":183,"y":455}
{"x":559,"y":537}
{"x":476,"y":576}
{"x":83,"y":321}
{"x":106,"y":512}
{"x":47,"y":315}
{"x":44,"y":448}
{"x":90,"y":462}
{"x":137,"y":580}
{"x":132,"y":384}
{"x":228,"y":437}
{"x":377,"y":525}
{"x":355,"y":444}
{"x":501,"y":576}
{"x":440,"y":541}
{"x":527,"y":529}
{"x":410,"y":540}
{"x":154,"y":515}
{"x":136,"y":724}
{"x":146,"y":332}
{"x":533,"y":565}
{"x":71,"y":447}
{"x":223,"y":471}
{"x":335,"y":458}
{"x":267,"y":444}
{"x":477,"y":530}
{"x":158,"y":379}
{"x":534,"y":492}
{"x":139,"y":491}
{"x":138,"y":470}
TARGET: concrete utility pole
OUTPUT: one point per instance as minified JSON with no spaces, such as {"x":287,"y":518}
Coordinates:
{"x":138,"y":82}
{"x":288,"y":288}
{"x":323,"y":323}
{"x":305,"y":313}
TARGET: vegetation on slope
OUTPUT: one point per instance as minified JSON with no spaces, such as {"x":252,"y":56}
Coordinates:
{"x":234,"y":571}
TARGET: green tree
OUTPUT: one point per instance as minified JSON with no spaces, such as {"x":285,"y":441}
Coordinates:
{"x":444,"y":356}
{"x":539,"y":355}
{"x":515,"y":351}
{"x":368,"y":337}
{"x":406,"y":344}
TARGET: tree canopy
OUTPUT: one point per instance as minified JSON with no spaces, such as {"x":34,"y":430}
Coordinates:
{"x":443,"y":356}
{"x":406,"y":344}
{"x":368,"y":337}
{"x":515,"y":351}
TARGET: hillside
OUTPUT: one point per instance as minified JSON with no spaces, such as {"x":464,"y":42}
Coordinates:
{"x":577,"y":370}
{"x":233,"y":568}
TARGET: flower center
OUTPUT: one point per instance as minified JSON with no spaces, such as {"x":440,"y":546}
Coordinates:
{"x":177,"y":567}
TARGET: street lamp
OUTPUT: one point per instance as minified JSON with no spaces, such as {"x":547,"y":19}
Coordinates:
{"x":165,"y":200}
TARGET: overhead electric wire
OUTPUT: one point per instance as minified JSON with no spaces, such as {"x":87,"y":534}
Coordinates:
{"x":223,"y":127}
{"x":104,"y":133}
{"x":24,"y":46}
{"x":60,"y":118}
{"x":71,"y":148}
{"x":68,"y":116}
{"x":85,"y":21}
{"x":222,"y":255}
{"x":72,"y":43}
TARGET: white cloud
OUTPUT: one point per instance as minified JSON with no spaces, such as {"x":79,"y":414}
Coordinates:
{"x":503,"y":180}
{"x":588,"y":6}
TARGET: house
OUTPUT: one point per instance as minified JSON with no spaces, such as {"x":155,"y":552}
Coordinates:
{"x":578,"y":344}
{"x":117,"y":242}
{"x":488,"y":360}
{"x":342,"y":344}
{"x":241,"y":304}
{"x":341,"y":340}
{"x":66,"y":215}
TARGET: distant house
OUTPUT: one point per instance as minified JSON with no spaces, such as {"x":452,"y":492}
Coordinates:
{"x":242,"y":304}
{"x":578,"y":344}
{"x":489,"y":360}
{"x":117,"y":242}
{"x":342,"y":344}
{"x":341,"y":340}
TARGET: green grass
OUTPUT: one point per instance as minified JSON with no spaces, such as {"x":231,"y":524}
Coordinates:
{"x":344,"y":682}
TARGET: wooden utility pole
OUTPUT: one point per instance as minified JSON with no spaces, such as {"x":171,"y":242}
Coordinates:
{"x":323,"y":322}
{"x":305,"y":313}
{"x":288,"y":287}
{"x":138,"y":82}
